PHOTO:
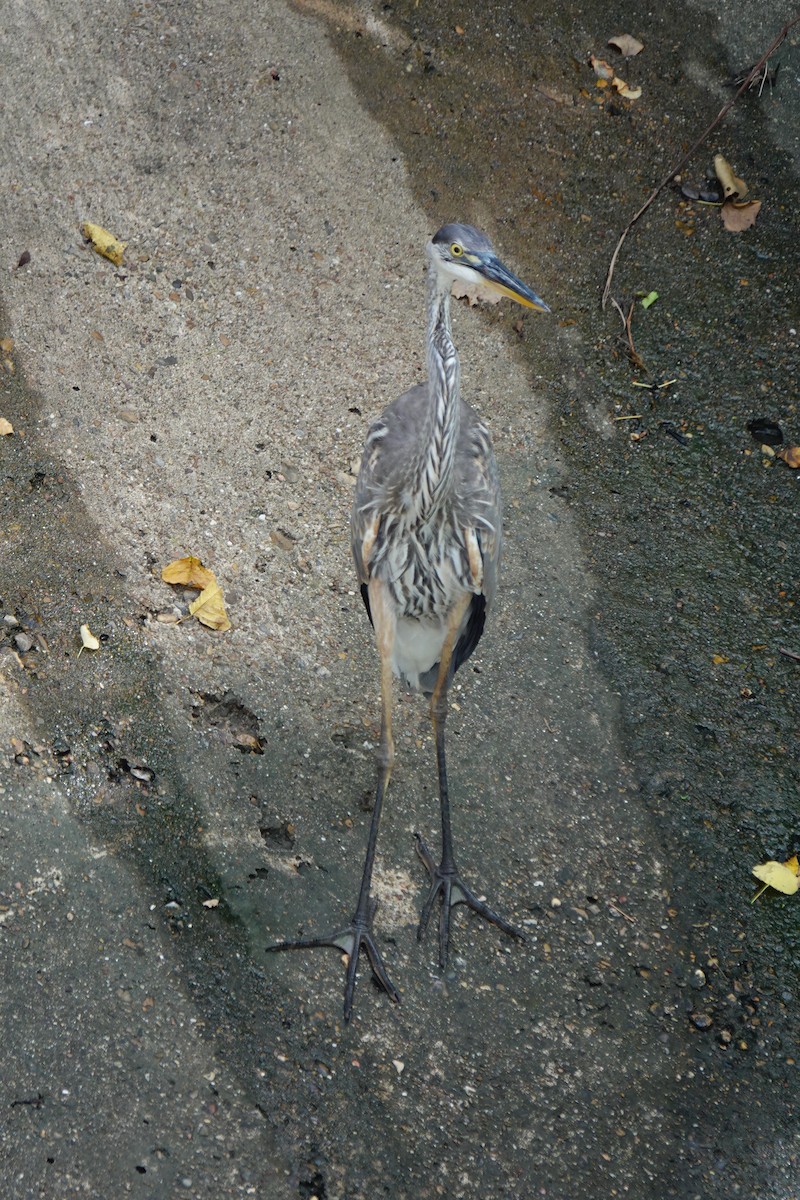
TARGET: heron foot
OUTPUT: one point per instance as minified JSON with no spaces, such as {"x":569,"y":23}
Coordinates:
{"x":351,"y":941}
{"x":447,"y":884}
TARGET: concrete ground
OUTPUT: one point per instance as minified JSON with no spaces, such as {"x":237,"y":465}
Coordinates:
{"x":623,"y":747}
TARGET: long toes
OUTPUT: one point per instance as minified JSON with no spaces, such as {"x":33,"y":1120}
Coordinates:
{"x":427,"y":908}
{"x":449,"y":887}
{"x":471,"y":900}
{"x":379,"y":971}
{"x":350,"y":941}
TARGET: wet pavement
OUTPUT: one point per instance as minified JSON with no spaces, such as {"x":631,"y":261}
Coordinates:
{"x":623,"y":748}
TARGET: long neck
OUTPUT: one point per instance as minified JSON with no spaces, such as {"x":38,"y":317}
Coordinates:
{"x":440,"y":435}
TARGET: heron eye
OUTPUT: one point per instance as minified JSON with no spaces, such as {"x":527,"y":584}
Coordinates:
{"x":456,"y":250}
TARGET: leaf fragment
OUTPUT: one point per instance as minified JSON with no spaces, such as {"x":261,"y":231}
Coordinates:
{"x":247,"y":743}
{"x":733,"y":187}
{"x":209,"y":608}
{"x":90,"y":642}
{"x":622,"y":88}
{"x":738,"y":217}
{"x":104,"y":242}
{"x":628,"y":46}
{"x":790,"y":455}
{"x":649,"y":299}
{"x":6,"y":428}
{"x":601,"y":68}
{"x":188,"y":572}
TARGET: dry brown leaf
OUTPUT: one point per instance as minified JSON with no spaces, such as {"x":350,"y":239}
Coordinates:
{"x":734,"y":188}
{"x":188,"y":572}
{"x":209,"y":608}
{"x":628,"y":92}
{"x":790,"y":455}
{"x":627,"y":45}
{"x":6,"y":427}
{"x":738,"y":217}
{"x":601,"y":68}
{"x":104,"y":242}
{"x":249,"y":742}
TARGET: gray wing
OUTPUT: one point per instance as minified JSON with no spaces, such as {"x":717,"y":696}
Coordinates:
{"x":479,"y":502}
{"x":388,"y":459}
{"x":391,"y":452}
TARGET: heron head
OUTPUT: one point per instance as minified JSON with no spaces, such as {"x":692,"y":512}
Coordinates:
{"x":461,"y":252}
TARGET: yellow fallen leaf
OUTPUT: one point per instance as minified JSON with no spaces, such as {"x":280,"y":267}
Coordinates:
{"x":90,"y":642}
{"x":783,"y":877}
{"x":719,"y":659}
{"x":6,"y":427}
{"x":104,"y":242}
{"x":209,"y":608}
{"x":188,"y":572}
{"x":789,"y":454}
{"x":733,"y":188}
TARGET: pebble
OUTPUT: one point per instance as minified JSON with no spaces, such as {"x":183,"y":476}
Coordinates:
{"x":701,"y":1020}
{"x":698,"y":979}
{"x":24,"y":642}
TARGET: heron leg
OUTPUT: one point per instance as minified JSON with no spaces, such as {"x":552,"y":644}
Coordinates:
{"x":446,"y":881}
{"x":357,"y":936}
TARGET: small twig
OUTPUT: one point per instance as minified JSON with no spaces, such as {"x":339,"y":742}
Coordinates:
{"x":618,"y":307}
{"x":748,"y":80}
{"x":633,"y":354}
{"x":654,"y":387}
{"x":789,"y":653}
{"x":625,"y":916}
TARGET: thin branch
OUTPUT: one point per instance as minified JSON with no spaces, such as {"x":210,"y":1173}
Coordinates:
{"x":751,"y":75}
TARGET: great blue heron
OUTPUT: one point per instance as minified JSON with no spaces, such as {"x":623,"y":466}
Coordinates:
{"x":426,"y":537}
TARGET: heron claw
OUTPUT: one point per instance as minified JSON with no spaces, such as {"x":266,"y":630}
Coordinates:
{"x":351,"y":941}
{"x":448,"y":884}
